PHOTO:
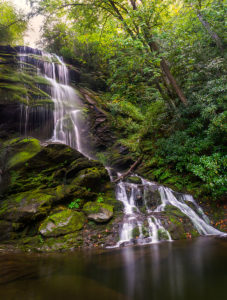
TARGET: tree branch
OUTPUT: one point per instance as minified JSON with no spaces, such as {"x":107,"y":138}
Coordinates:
{"x":132,"y":168}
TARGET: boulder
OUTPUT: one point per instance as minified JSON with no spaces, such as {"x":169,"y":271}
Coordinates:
{"x":17,"y":151}
{"x":62,"y":223}
{"x":26,"y":207}
{"x":98,"y":212}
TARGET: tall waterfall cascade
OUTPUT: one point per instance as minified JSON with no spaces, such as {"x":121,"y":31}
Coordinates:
{"x":69,"y":122}
{"x":142,"y":223}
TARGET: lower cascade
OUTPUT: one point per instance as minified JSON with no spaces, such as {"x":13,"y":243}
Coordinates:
{"x":146,"y":204}
{"x":143,"y":219}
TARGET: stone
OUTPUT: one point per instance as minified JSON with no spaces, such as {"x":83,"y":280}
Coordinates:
{"x":98,"y":212}
{"x":62,"y":223}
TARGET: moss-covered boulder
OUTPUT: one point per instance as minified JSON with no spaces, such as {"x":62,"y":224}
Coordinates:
{"x":178,"y":224}
{"x":62,"y":223}
{"x":98,"y":212}
{"x":17,"y":151}
{"x":91,"y":178}
{"x":26,"y":207}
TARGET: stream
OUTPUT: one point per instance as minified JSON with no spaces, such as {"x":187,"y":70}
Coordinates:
{"x":183,"y":270}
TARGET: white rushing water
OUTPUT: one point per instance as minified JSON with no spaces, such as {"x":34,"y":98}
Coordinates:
{"x":137,"y":227}
{"x":135,"y":222}
{"x":68,"y":107}
{"x":201,"y":223}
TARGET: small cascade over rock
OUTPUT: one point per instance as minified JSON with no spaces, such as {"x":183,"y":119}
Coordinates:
{"x":199,"y":219}
{"x":149,"y":209}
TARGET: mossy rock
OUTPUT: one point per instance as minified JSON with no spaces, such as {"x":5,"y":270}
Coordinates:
{"x":98,"y":212}
{"x":81,"y":164}
{"x":135,"y":232}
{"x":179,"y":225}
{"x":134,"y":179}
{"x":162,"y":234}
{"x":152,"y":197}
{"x":62,"y":223}
{"x":173,"y":210}
{"x":17,"y":151}
{"x":61,"y":243}
{"x":92,"y":177}
{"x":26,"y":207}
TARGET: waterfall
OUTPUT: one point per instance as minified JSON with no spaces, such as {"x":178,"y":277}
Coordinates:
{"x":200,"y":223}
{"x":127,"y":193}
{"x":68,"y":118}
{"x":142,"y":223}
{"x":68,"y":108}
{"x":136,"y":221}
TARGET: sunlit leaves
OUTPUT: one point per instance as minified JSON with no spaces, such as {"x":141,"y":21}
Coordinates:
{"x":12,"y":24}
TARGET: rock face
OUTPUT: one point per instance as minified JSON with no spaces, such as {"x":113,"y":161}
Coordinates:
{"x":25,"y":103}
{"x":98,"y":212}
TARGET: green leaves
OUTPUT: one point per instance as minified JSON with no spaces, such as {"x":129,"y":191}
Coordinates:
{"x":12,"y":24}
{"x":75,"y":204}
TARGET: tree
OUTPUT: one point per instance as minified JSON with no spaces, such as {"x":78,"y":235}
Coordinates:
{"x":12,"y":24}
{"x":139,"y":19}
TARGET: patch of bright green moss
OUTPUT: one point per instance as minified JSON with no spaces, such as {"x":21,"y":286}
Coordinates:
{"x":94,"y":207}
{"x":23,"y":151}
{"x":64,"y":222}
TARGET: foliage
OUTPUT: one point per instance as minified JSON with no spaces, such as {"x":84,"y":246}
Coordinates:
{"x":12,"y":24}
{"x":136,"y":46}
{"x":75,"y":204}
{"x":100,"y":198}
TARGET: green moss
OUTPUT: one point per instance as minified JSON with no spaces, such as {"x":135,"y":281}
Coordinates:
{"x":162,"y":234}
{"x":172,"y":210}
{"x":94,"y":207}
{"x":134,"y":179}
{"x":26,"y":206}
{"x":135,"y":232}
{"x":23,"y":151}
{"x":62,"y":223}
{"x":145,"y":231}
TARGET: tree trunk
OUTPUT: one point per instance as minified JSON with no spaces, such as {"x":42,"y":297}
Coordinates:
{"x":132,"y":168}
{"x":165,"y":68}
{"x":212,"y":34}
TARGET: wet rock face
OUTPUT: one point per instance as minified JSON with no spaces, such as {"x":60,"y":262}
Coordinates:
{"x":26,"y":107}
{"x":152,"y":196}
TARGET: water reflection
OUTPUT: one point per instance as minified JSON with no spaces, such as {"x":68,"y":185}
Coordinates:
{"x":180,"y":270}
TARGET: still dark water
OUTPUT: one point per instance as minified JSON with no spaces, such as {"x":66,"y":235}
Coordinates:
{"x":186,"y":270}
